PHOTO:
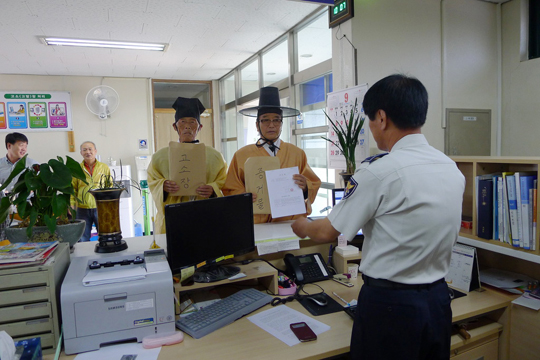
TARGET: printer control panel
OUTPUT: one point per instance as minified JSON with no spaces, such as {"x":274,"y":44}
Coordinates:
{"x":97,"y":265}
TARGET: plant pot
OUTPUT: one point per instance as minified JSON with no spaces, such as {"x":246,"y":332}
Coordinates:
{"x":70,"y":233}
{"x":346,"y":177}
{"x":108,"y":211}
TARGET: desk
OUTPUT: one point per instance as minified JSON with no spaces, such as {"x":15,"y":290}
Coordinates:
{"x":242,"y":339}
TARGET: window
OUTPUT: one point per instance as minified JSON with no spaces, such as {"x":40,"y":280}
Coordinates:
{"x":276,"y":63}
{"x":227,"y":89}
{"x":314,"y":43}
{"x":250,"y":77}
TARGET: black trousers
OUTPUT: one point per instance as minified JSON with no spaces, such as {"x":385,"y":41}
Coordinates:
{"x":402,"y":324}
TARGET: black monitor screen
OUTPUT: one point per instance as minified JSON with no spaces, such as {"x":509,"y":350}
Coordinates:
{"x":209,"y":230}
{"x":337,"y":195}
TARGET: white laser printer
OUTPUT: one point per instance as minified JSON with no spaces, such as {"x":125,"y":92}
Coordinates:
{"x":107,"y":299}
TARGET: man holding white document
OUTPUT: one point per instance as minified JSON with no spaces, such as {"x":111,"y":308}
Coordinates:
{"x":270,"y":116}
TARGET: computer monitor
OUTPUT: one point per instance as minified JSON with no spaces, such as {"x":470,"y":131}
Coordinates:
{"x":203,"y":233}
{"x":337,"y":195}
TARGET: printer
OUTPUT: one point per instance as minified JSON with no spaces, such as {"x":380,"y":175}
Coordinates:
{"x":107,"y":299}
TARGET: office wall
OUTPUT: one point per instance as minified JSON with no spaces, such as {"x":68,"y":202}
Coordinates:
{"x":406,"y":36}
{"x":116,"y":137}
{"x":521,"y":90}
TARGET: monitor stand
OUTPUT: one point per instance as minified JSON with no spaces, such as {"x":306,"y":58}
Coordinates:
{"x":214,"y":272}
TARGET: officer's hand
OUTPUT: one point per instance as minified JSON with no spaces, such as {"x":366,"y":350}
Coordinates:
{"x":301,"y":181}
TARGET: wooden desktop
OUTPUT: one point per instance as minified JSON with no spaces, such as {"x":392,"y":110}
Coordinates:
{"x":243,"y":339}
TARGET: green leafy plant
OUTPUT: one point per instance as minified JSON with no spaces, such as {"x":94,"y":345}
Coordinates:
{"x":347,"y":137}
{"x":42,"y":193}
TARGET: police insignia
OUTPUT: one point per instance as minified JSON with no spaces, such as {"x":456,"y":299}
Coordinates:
{"x":373,"y":158}
{"x":351,"y":186}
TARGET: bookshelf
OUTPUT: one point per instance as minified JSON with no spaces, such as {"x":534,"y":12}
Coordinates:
{"x":473,"y":166}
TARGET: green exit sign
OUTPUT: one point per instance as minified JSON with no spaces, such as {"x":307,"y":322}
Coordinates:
{"x":340,"y":12}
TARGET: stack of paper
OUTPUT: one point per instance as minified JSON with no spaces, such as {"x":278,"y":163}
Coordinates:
{"x":347,"y":250}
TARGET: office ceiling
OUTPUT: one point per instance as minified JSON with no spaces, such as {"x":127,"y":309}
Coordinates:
{"x":207,"y":38}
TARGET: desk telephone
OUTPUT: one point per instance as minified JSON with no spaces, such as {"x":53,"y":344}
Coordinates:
{"x":305,"y":269}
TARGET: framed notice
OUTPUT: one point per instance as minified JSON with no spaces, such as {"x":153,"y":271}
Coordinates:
{"x":35,"y":111}
{"x":339,"y":105}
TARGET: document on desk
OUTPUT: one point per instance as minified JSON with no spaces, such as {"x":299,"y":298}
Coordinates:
{"x":114,"y":274}
{"x":117,"y":351}
{"x":286,"y":198}
{"x":275,"y":237}
{"x":277,"y":320}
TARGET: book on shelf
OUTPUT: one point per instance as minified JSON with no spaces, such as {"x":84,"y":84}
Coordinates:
{"x":500,"y":207}
{"x":526,"y":186}
{"x":507,"y":238}
{"x":17,"y":253}
{"x":485,"y":208}
{"x":535,"y":213}
{"x":513,"y":210}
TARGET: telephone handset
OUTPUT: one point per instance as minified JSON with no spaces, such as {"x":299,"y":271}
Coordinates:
{"x":305,"y":269}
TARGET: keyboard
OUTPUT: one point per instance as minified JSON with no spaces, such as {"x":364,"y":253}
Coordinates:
{"x":223,"y":312}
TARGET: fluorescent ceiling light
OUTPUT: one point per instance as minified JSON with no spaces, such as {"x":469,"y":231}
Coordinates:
{"x":104,"y":44}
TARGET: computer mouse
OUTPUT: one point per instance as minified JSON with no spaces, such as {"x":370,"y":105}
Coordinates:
{"x":318,"y":299}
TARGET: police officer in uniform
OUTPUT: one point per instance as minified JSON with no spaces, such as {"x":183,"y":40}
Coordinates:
{"x":408,"y":203}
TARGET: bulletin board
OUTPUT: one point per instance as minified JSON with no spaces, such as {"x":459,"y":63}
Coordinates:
{"x":341,"y":103}
{"x":29,"y":111}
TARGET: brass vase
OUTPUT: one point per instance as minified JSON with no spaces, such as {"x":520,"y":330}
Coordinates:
{"x":108,"y":211}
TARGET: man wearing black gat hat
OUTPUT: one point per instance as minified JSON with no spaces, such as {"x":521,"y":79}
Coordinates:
{"x":270,"y":116}
{"x":187,"y":123}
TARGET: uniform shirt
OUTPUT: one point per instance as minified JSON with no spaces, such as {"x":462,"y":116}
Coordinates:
{"x":289,"y":156}
{"x":82,"y":189}
{"x":6,"y":167}
{"x":158,"y":173}
{"x":408,"y":204}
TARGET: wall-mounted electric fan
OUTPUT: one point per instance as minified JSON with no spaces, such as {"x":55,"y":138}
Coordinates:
{"x":102,"y":100}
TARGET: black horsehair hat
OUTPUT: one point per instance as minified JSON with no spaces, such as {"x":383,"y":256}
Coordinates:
{"x":186,"y":107}
{"x":268,"y":101}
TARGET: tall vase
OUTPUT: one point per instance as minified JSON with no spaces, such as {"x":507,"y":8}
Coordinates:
{"x":108,"y":211}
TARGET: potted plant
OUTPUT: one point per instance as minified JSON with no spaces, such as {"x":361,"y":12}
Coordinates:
{"x":41,"y":195}
{"x":347,"y":135}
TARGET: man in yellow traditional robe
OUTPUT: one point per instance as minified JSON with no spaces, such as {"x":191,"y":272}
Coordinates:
{"x":187,"y":125}
{"x":270,"y":116}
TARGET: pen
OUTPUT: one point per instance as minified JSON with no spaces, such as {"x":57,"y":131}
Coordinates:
{"x":340,"y":298}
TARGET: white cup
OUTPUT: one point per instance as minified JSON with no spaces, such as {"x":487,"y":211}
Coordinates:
{"x":352,"y":269}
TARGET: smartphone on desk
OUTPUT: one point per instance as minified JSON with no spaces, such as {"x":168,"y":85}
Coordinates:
{"x":303,"y":332}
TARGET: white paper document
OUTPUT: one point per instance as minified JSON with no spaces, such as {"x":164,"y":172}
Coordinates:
{"x":286,"y":198}
{"x":528,"y":301}
{"x":274,"y":237}
{"x":277,"y":321}
{"x":118,"y":350}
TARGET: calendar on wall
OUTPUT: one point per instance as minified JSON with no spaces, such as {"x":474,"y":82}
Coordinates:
{"x":339,"y":104}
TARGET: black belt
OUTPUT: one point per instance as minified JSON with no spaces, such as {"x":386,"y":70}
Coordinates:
{"x":387,"y":284}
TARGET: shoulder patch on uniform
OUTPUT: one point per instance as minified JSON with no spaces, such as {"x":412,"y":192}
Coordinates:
{"x":351,"y":187}
{"x":373,"y":158}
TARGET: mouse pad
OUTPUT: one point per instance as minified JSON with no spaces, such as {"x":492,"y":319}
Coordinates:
{"x":315,"y":310}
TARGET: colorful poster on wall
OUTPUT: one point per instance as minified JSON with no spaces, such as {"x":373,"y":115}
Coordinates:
{"x":339,"y":104}
{"x":35,"y":111}
{"x":3,"y":123}
{"x":17,"y":115}
{"x":58,"y":115}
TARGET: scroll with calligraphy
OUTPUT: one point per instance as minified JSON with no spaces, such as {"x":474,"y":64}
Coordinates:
{"x":187,"y":167}
{"x":255,"y":178}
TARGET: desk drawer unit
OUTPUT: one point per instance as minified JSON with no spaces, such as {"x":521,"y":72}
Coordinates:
{"x":29,"y":298}
{"x":21,"y":328}
{"x":22,"y":296}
